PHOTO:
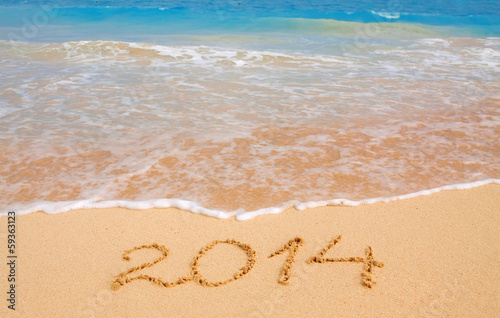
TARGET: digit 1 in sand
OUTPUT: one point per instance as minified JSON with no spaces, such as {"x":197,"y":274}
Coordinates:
{"x":293,"y":246}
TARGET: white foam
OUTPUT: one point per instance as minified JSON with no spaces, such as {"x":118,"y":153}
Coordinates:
{"x":60,"y":207}
{"x":387,"y":15}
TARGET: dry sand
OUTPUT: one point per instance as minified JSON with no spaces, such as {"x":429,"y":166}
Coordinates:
{"x":441,"y":256}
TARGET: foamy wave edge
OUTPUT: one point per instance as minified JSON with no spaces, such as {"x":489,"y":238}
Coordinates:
{"x":65,"y":206}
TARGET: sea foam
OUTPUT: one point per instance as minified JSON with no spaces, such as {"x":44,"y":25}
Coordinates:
{"x":60,"y":207}
{"x":245,"y":128}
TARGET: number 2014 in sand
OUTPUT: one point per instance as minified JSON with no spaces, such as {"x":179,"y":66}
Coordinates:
{"x":292,"y":247}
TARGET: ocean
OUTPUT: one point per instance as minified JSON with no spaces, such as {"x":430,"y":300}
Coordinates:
{"x":245,"y":107}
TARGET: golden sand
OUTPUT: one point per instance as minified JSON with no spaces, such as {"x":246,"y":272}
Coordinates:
{"x":440,"y":255}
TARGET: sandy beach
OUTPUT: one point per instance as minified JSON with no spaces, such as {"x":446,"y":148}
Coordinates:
{"x":249,"y":159}
{"x":431,"y":256}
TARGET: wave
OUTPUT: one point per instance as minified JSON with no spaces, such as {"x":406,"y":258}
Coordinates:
{"x":233,"y":128}
{"x":146,"y":25}
{"x":60,"y":207}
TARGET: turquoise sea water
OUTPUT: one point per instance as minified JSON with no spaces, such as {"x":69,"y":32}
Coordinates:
{"x":244,"y":105}
{"x":140,"y":20}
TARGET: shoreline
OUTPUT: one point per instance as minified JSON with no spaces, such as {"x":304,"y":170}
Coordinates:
{"x":440,"y":254}
{"x":66,"y":206}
